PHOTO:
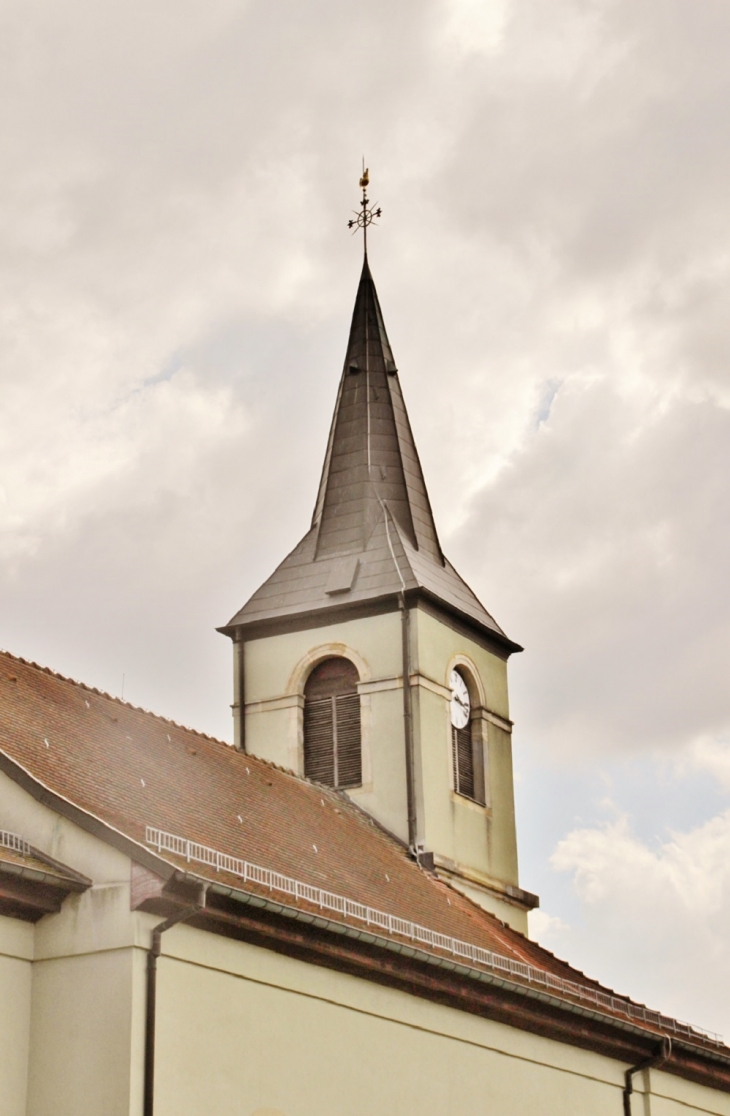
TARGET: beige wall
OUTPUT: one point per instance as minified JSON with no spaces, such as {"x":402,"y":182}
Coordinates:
{"x":88,"y":1000}
{"x":74,"y":980}
{"x":241,"y":1029}
{"x":16,"y":955}
{"x":80,"y":1035}
{"x":60,"y":838}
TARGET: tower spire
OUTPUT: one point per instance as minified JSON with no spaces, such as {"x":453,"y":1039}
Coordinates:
{"x":373,"y":535}
{"x":371,"y":457}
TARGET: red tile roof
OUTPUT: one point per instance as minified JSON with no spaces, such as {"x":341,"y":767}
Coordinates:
{"x":132,"y":769}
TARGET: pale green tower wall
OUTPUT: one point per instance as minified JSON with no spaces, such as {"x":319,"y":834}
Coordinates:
{"x":275,"y":671}
{"x":474,"y":846}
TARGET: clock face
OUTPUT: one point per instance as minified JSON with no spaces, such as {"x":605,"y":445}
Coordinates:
{"x":460,"y":706}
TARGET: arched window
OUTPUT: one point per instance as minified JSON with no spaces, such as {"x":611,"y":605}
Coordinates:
{"x":466,"y":744}
{"x":332,"y":752}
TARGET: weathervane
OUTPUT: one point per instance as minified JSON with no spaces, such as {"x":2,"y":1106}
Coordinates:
{"x":367,"y":214}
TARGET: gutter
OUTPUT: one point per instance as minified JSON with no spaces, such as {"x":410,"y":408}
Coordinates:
{"x":151,"y":1005}
{"x":77,"y":882}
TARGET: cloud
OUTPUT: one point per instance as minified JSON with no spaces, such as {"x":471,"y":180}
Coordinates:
{"x":710,"y":754}
{"x":654,"y":915}
{"x":545,"y":927}
{"x":613,"y":517}
{"x":475,"y":27}
{"x":175,"y":290}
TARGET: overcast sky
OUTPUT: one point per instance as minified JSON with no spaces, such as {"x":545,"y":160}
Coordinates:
{"x":176,"y":281}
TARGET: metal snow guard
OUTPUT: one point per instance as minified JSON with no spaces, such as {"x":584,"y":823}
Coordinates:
{"x":12,"y":841}
{"x":327,"y":900}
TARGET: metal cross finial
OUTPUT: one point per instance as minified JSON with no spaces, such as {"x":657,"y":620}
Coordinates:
{"x":367,"y":214}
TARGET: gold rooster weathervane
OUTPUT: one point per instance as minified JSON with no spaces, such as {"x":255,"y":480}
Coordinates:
{"x":367,"y":214}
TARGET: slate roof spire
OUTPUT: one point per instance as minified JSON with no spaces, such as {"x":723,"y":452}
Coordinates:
{"x":373,"y":535}
{"x":371,"y":459}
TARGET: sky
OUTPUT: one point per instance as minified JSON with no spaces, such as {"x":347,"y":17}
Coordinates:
{"x":176,"y":283}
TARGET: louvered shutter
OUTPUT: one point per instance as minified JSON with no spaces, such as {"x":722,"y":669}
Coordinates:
{"x":347,"y":739}
{"x":332,"y":741}
{"x":319,"y":754}
{"x":463,"y":754}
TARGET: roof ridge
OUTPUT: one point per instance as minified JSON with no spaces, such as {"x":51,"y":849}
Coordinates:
{"x":469,"y":589}
{"x":388,"y":514}
{"x":245,"y":756}
{"x":111,"y":697}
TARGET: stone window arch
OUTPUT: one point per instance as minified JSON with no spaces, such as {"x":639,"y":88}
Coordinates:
{"x":332,"y":724}
{"x":467,"y":745}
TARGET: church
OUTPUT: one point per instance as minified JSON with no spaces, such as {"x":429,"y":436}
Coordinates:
{"x":325,"y":917}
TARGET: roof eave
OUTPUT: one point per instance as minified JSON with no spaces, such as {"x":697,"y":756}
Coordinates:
{"x":493,"y":635}
{"x":325,"y":941}
{"x":83,"y":818}
{"x":28,"y":893}
{"x":387,"y":602}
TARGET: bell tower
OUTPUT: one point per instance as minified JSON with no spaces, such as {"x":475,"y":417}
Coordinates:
{"x":367,"y":664}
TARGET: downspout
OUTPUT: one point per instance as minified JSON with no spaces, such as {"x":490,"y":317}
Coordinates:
{"x":408,"y":724}
{"x":663,"y":1055}
{"x":407,"y":703}
{"x":239,"y":694}
{"x":150,"y":1015}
